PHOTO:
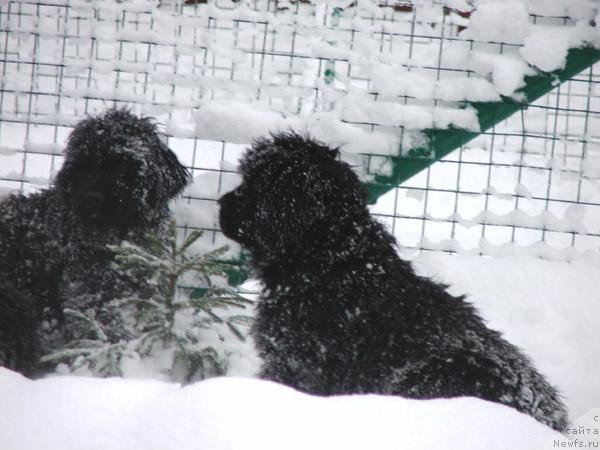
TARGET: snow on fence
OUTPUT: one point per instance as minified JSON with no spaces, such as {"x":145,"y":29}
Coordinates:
{"x":382,"y":80}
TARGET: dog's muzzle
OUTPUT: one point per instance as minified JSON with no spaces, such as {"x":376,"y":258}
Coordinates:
{"x":229,"y":215}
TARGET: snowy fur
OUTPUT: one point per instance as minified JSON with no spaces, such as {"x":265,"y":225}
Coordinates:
{"x":341,"y":312}
{"x":115,"y":184}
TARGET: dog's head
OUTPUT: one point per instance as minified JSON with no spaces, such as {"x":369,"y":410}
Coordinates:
{"x":118,"y":171}
{"x":294,"y":193}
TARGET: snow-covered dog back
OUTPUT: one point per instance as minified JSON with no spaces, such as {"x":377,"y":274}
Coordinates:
{"x":115,"y":184}
{"x":340,"y":312}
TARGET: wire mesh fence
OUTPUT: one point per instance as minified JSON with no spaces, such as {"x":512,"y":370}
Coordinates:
{"x":368,"y":76}
{"x":530,"y":181}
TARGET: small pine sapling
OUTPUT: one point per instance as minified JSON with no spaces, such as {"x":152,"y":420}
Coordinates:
{"x":190,"y":296}
{"x":99,"y":355}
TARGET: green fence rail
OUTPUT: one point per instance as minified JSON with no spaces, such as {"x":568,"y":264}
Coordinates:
{"x":440,"y":142}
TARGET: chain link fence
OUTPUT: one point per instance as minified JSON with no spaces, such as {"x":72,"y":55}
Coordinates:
{"x":369,"y":76}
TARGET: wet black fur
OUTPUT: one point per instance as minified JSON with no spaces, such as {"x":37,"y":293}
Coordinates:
{"x":116,"y":181}
{"x":341,"y":312}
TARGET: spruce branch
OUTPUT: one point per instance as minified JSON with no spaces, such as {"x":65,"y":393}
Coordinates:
{"x":170,"y":318}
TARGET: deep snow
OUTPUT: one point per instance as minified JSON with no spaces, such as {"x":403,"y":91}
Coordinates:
{"x":66,"y":413}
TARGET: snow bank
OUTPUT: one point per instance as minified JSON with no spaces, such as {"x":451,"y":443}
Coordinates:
{"x":70,"y":413}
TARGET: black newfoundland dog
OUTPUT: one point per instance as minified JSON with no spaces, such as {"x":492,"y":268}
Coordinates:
{"x":116,"y":181}
{"x":340,"y":312}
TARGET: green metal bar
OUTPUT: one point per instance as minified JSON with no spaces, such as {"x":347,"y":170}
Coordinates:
{"x":440,"y":142}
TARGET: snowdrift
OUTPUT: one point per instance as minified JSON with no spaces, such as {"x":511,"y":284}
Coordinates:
{"x":78,"y":413}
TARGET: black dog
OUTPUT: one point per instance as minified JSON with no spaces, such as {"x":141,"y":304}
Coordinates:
{"x":116,"y":181}
{"x":341,"y":312}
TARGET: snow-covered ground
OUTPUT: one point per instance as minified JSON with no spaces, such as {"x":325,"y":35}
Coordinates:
{"x":549,"y":309}
{"x":243,"y":414}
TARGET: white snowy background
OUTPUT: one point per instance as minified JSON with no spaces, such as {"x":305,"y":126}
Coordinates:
{"x":218,"y":74}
